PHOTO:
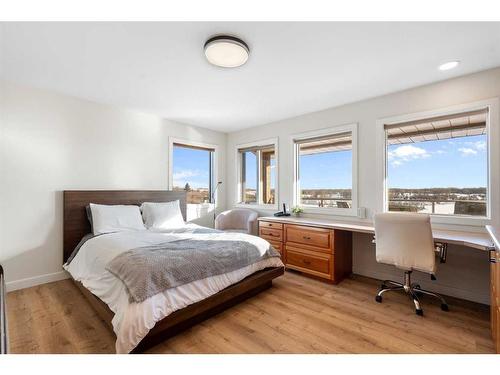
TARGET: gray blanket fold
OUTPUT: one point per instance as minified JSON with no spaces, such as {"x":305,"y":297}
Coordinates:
{"x":149,"y":270}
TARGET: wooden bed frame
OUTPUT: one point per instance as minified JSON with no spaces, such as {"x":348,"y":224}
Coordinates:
{"x":76,"y":225}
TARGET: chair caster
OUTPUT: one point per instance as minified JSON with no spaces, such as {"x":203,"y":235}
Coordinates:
{"x":419,"y":312}
{"x":378,"y":299}
{"x":444,"y":307}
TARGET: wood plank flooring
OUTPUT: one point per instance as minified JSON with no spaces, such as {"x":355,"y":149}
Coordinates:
{"x":297,"y":315}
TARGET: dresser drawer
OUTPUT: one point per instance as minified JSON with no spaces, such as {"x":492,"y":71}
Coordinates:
{"x":493,"y":301}
{"x":317,"y":264}
{"x":277,"y":246}
{"x":271,"y":234}
{"x":497,"y":275}
{"x":317,"y":237}
{"x":280,"y":248}
{"x":497,"y":327}
{"x":270,"y":224}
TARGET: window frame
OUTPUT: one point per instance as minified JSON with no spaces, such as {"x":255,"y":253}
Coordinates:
{"x":492,"y":160}
{"x":213,"y":167}
{"x":237,"y":156}
{"x":332,"y":131}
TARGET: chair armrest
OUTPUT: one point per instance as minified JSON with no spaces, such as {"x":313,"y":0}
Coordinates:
{"x":219,"y":221}
{"x":251,"y":223}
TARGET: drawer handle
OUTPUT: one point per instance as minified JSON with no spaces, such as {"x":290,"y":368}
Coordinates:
{"x":493,"y":257}
{"x":306,"y":237}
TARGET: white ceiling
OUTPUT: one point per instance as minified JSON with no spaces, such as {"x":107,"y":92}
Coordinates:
{"x":294,"y":68}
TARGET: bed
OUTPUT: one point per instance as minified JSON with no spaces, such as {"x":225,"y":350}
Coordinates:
{"x":139,"y":326}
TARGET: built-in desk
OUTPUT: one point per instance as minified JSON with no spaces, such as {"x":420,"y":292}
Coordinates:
{"x":475,"y":240}
{"x":494,"y":232}
{"x":323,"y":248}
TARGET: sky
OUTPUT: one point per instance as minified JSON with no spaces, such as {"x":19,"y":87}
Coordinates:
{"x":329,"y":170}
{"x":191,"y":166}
{"x":251,"y":171}
{"x":457,"y":162}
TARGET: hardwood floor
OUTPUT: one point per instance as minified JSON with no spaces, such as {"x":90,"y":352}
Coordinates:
{"x":297,"y":315}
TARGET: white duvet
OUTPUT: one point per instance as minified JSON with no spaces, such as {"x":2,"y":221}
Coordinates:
{"x":132,"y":321}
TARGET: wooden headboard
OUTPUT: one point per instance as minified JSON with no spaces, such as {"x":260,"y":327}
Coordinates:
{"x":76,"y":224}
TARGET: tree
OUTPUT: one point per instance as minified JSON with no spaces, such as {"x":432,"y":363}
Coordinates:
{"x":187,"y":187}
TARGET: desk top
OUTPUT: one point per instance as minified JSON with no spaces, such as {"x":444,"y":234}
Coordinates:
{"x":494,"y":232}
{"x":476,"y":240}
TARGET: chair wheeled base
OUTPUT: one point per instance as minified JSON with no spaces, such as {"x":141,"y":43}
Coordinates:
{"x":412,"y":289}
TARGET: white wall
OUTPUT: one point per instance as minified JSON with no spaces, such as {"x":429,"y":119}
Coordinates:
{"x":50,"y":143}
{"x":467,"y":276}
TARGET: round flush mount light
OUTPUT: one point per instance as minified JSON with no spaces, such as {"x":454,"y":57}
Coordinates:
{"x":226,"y":51}
{"x":449,"y":65}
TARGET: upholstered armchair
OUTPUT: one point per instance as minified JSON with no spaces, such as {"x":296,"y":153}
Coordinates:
{"x":240,"y":220}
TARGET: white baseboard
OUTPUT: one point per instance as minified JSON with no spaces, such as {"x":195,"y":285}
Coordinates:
{"x":446,"y":290}
{"x":36,"y":280}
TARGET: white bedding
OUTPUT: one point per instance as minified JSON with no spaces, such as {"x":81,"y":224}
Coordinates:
{"x":132,"y":321}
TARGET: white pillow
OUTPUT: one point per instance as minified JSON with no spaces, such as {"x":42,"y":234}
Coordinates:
{"x":117,"y":218}
{"x":165,"y":215}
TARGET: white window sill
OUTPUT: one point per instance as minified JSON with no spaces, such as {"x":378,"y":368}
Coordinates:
{"x":465,"y":223}
{"x":257,"y":206}
{"x":352,"y":212}
{"x":469,"y":221}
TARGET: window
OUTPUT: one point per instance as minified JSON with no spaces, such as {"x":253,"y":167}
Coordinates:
{"x":192,"y":171}
{"x":249,"y":176}
{"x":325,"y":170}
{"x":257,"y":171}
{"x":438,"y":165}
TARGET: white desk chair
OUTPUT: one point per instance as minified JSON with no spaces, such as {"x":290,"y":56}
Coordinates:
{"x":405,"y":241}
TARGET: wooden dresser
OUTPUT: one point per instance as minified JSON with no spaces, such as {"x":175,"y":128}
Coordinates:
{"x":310,"y":248}
{"x":495,"y":287}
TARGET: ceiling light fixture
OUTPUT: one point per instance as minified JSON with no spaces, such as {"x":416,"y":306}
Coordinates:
{"x":226,"y":51}
{"x":449,"y":65}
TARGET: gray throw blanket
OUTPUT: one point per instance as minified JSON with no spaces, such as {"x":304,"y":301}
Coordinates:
{"x":149,"y":270}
